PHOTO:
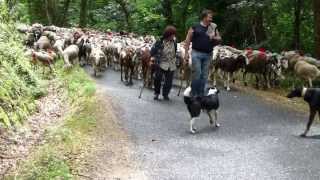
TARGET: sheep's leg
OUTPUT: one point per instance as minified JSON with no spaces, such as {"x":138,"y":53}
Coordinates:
{"x":228,"y":81}
{"x":121,"y":71}
{"x":244,"y":77}
{"x":257,"y":81}
{"x":232,"y":77}
{"x":310,"y":82}
{"x":311,"y":118}
{"x":214,"y":73}
{"x":267,"y":80}
{"x":131,"y":75}
{"x":77,"y":61}
{"x":219,"y":72}
{"x":224,"y":80}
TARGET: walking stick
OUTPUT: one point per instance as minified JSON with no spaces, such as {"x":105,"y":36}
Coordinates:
{"x":181,"y":84}
{"x":145,"y":80}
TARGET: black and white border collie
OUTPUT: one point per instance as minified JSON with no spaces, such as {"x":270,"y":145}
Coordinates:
{"x":208,"y":103}
{"x":312,"y":97}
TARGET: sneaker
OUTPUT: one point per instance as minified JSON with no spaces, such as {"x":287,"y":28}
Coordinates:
{"x":166,"y":98}
{"x":156,"y":97}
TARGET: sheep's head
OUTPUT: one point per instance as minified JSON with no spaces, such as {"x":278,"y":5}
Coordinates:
{"x":284,"y":62}
{"x":242,"y":60}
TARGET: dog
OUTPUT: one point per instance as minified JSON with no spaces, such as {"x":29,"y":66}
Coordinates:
{"x":312,"y":97}
{"x":208,"y":103}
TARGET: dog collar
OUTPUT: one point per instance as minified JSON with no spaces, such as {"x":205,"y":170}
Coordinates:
{"x":304,"y":91}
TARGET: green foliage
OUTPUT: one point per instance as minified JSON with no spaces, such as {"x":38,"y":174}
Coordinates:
{"x":49,"y":165}
{"x":234,"y":17}
{"x":19,"y":84}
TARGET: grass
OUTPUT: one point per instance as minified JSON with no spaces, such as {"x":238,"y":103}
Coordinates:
{"x":65,"y":144}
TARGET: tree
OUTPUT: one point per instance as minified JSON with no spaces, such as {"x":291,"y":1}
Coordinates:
{"x":125,"y":9}
{"x":297,"y":23}
{"x":167,"y":11}
{"x":316,"y":9}
{"x":83,"y":13}
{"x":50,"y":8}
{"x":63,"y":19}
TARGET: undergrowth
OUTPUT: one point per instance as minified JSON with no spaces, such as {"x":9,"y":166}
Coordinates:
{"x":66,"y":143}
{"x":19,"y":85}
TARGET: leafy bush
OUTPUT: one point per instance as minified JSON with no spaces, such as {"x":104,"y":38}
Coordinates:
{"x":19,"y":84}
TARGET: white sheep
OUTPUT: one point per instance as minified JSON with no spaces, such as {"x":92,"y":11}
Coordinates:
{"x":306,"y":71}
{"x":98,"y":60}
{"x":71,"y":55}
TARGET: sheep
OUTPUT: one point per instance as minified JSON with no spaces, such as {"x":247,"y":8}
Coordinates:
{"x":306,"y":71}
{"x":46,"y":58}
{"x":127,"y":64}
{"x":51,"y":35}
{"x":59,"y":46}
{"x":293,"y":57}
{"x":229,"y":60}
{"x":50,"y":28}
{"x":71,"y":55}
{"x":43,"y":43}
{"x":185,"y":68}
{"x":263,"y":64}
{"x":98,"y":60}
{"x":30,"y":40}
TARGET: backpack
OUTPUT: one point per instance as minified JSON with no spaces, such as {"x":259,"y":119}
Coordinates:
{"x":157,"y":48}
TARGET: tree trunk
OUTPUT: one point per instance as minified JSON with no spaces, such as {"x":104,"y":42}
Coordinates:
{"x":297,"y":23}
{"x":167,"y":11}
{"x":259,"y":33}
{"x":83,"y":13}
{"x":48,"y":13}
{"x":64,"y":15}
{"x":316,"y":9}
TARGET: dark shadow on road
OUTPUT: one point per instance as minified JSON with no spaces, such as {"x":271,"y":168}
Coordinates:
{"x":313,"y":137}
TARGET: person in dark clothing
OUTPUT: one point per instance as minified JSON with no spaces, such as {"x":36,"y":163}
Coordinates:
{"x":163,"y":56}
{"x":203,"y":36}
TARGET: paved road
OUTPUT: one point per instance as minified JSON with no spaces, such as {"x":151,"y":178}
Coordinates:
{"x":256,"y":140}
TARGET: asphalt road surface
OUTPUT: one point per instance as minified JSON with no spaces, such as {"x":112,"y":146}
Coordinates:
{"x":256,"y":140}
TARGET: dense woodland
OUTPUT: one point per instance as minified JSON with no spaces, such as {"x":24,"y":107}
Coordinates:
{"x":271,"y":24}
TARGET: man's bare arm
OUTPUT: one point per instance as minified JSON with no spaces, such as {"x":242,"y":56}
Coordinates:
{"x":187,"y":43}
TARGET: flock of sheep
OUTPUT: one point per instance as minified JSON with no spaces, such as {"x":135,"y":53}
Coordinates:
{"x":130,"y":53}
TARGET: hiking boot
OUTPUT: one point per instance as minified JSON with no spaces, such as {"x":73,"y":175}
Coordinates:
{"x":156,"y":97}
{"x":166,"y":98}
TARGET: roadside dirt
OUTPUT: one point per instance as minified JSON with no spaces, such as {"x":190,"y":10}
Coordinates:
{"x":17,"y":144}
{"x":111,"y":151}
{"x":275,"y":96}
